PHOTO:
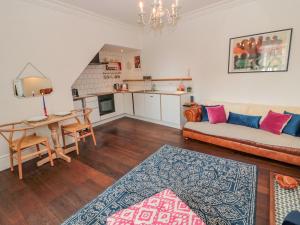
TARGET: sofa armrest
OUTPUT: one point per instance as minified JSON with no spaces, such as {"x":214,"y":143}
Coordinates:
{"x":193,"y":114}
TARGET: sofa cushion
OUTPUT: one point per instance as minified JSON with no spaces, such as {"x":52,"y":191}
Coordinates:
{"x":216,"y":114}
{"x":258,"y":136}
{"x":275,"y":122}
{"x":204,"y":116}
{"x":244,"y":120}
{"x":293,"y":126}
{"x":252,"y":109}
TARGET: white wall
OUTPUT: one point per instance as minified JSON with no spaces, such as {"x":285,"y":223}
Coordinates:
{"x":57,"y":40}
{"x":201,"y":42}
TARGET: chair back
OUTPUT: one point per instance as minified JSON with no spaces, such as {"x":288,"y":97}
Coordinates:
{"x":84,"y":114}
{"x":8,"y":131}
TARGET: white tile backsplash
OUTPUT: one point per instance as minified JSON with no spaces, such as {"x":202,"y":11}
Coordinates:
{"x":92,"y":79}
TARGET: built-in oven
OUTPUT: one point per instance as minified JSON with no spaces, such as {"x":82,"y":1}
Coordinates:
{"x":106,"y":104}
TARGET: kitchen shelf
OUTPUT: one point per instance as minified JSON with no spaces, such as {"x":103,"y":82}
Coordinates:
{"x":161,"y":79}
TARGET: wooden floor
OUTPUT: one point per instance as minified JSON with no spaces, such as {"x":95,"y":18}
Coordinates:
{"x":50,"y":195}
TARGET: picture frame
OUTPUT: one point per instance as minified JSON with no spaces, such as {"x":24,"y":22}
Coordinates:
{"x":137,"y":62}
{"x":262,"y":52}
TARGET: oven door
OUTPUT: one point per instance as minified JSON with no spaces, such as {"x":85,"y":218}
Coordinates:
{"x":106,"y":104}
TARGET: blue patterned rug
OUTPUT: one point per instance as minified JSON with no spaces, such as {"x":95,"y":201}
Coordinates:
{"x":220,"y":191}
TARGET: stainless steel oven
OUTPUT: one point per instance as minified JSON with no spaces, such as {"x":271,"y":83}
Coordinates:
{"x":106,"y":104}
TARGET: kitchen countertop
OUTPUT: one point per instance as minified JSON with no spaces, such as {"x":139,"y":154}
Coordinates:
{"x":163,"y":92}
{"x":130,"y":91}
{"x":92,"y":95}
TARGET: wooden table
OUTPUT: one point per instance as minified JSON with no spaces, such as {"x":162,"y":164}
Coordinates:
{"x":53,"y":124}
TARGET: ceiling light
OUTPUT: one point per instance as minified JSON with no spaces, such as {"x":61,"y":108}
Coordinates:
{"x":159,"y":15}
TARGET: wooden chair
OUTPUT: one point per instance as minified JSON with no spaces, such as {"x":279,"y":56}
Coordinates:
{"x":79,"y":130}
{"x":17,"y":145}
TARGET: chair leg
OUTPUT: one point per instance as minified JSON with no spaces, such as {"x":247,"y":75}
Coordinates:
{"x":20,"y":165}
{"x":11,"y":159}
{"x":63,"y":137}
{"x":93,"y":135}
{"x":49,"y":153}
{"x":38,"y":149}
{"x":76,"y":143}
{"x":81,"y":134}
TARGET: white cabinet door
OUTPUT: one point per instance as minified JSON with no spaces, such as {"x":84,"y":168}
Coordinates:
{"x":91,"y":99}
{"x":152,"y":106}
{"x":128,"y":105}
{"x":95,"y":115}
{"x":139,"y":104}
{"x":119,"y":103}
{"x":78,"y":104}
{"x":92,"y":103}
{"x":170,"y":108}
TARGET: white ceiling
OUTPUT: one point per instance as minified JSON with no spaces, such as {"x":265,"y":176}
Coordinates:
{"x":126,"y":10}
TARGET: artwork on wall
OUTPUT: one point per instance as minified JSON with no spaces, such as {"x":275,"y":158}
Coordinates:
{"x":137,"y":62}
{"x":264,"y":52}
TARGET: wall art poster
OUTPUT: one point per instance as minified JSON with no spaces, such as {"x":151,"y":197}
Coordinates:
{"x":264,"y":52}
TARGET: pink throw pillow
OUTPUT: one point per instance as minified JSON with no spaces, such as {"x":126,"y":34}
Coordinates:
{"x":275,"y":122}
{"x":216,"y":114}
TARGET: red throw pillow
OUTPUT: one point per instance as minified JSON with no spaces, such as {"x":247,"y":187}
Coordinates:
{"x":275,"y":122}
{"x":216,"y":114}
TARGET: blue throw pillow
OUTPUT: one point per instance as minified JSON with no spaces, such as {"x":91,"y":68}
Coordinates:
{"x":244,"y":120}
{"x":204,"y":114}
{"x":293,"y":126}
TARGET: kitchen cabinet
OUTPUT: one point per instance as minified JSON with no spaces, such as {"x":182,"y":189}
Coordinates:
{"x":147,"y":105}
{"x":139,"y":104}
{"x":152,"y":106}
{"x":92,"y":102}
{"x":171,"y":109}
{"x":128,"y":103}
{"x":119,"y":103}
{"x":78,"y":104}
{"x":163,"y":108}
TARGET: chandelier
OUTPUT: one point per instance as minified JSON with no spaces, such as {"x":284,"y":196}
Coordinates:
{"x":159,"y":15}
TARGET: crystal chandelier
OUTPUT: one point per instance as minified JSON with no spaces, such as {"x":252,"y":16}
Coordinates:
{"x":159,"y":15}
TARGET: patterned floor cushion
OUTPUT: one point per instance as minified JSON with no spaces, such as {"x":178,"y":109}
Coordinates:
{"x":160,"y":209}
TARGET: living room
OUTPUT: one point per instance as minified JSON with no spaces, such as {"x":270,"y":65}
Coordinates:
{"x":244,"y":163}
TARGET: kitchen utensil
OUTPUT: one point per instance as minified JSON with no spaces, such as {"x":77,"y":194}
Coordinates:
{"x":75,"y":92}
{"x":117,"y":87}
{"x":124,"y":87}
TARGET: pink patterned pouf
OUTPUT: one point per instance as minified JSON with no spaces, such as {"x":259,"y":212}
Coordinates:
{"x":162,"y":208}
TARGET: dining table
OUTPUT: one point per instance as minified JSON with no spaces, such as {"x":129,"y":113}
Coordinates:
{"x":52,"y":122}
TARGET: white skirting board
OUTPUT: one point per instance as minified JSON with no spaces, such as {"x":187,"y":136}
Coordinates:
{"x":138,"y":118}
{"x":4,"y":159}
{"x":4,"y":162}
{"x":156,"y":121}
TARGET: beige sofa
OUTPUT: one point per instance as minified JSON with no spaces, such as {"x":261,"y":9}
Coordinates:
{"x":285,"y":148}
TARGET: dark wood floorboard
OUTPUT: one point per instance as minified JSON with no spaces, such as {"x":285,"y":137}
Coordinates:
{"x":49,"y":195}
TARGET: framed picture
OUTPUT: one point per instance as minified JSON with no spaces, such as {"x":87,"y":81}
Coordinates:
{"x":137,"y":62}
{"x":264,"y":52}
